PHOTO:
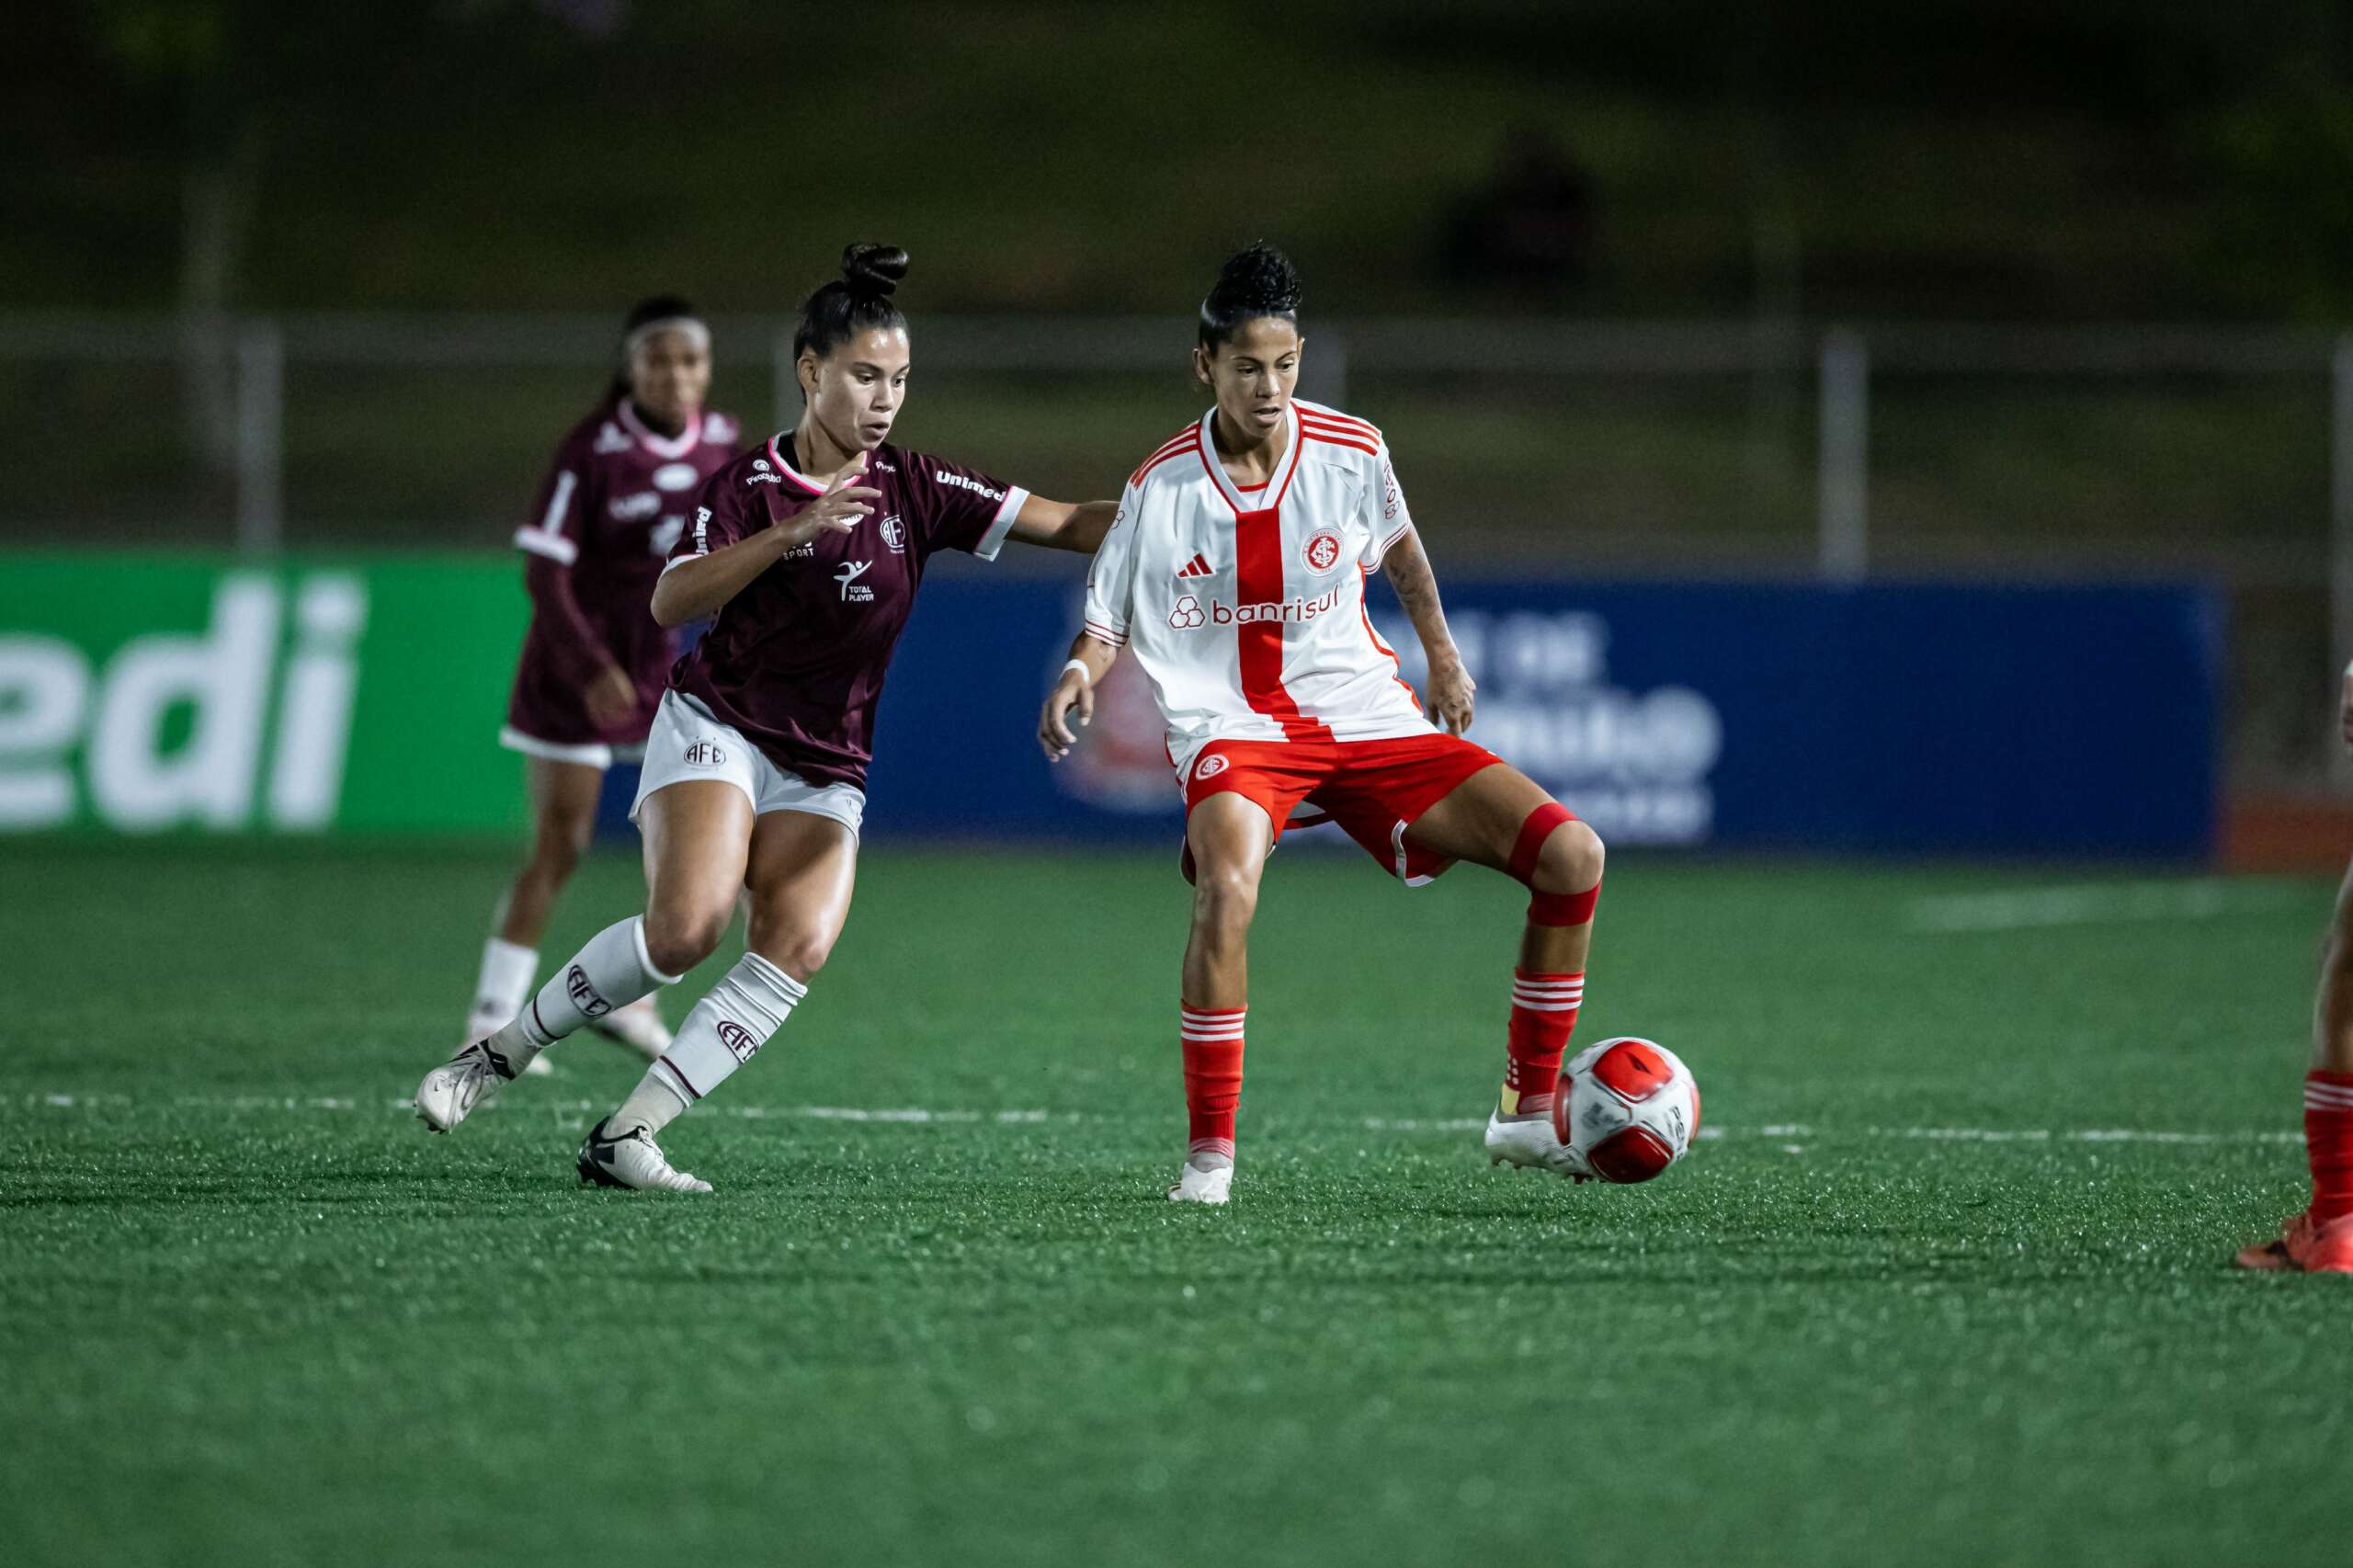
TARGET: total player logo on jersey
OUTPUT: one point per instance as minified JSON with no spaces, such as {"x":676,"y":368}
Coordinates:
{"x":1322,"y":552}
{"x":853,"y":591}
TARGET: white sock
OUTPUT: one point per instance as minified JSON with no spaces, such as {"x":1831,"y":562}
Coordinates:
{"x":506,"y":973}
{"x":610,"y":971}
{"x":735,"y":1019}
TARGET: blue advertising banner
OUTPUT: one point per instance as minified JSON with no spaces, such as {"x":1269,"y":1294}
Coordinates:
{"x":1885,"y":719}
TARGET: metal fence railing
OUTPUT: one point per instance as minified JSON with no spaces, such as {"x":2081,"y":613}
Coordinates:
{"x":1838,"y":452}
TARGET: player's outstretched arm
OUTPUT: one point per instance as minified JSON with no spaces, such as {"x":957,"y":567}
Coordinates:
{"x":697,"y":586}
{"x":1451,"y":690}
{"x":1074,"y":696}
{"x":1059,"y":524}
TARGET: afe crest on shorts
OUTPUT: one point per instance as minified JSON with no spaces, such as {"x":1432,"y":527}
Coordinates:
{"x":1210,"y":767}
{"x":706,"y":753}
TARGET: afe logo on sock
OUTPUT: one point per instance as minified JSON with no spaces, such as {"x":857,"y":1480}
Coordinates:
{"x":583,"y":995}
{"x":737,"y":1039}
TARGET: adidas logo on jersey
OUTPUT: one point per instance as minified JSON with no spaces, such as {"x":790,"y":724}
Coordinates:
{"x":1197,"y":567}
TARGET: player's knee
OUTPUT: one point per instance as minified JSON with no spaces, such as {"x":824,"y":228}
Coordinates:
{"x":1224,"y":898}
{"x":796,"y":950}
{"x":677,"y":938}
{"x":555,"y":854}
{"x":1570,"y":860}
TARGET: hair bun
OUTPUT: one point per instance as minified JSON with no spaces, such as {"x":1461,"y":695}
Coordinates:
{"x":873,"y":270}
{"x":1259,"y":279}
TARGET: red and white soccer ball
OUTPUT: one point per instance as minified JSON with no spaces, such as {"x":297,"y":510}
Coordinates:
{"x":1628,"y":1107}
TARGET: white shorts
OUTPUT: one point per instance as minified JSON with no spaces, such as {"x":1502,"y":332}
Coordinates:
{"x":588,"y":753}
{"x":689,"y":744}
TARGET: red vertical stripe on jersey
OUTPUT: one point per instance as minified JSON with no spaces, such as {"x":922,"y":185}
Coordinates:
{"x":1258,"y":582}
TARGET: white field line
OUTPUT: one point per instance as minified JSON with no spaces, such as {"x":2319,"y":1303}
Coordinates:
{"x":2097,"y":904}
{"x":1779,"y":1132}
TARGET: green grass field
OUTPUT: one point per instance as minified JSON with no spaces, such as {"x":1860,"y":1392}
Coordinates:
{"x":1937,"y":1290}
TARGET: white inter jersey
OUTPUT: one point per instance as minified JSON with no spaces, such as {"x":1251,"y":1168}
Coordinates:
{"x":1245,"y":608}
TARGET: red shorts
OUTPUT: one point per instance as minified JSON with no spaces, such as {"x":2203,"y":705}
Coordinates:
{"x":1374,"y":789}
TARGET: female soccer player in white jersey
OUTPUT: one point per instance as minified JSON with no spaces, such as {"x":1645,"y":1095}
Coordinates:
{"x":808,"y":551}
{"x":1236,"y":574}
{"x":2320,"y":1239}
{"x":594,"y":662}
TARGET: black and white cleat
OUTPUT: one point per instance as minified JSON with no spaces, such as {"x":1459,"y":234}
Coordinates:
{"x":632,"y":1161}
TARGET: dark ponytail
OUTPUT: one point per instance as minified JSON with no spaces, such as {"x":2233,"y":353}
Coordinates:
{"x":859,"y":300}
{"x":1260,"y":281}
{"x":653,"y":308}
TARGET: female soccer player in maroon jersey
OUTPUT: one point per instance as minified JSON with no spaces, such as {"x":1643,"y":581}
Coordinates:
{"x":594,"y":662}
{"x":2320,"y":1239}
{"x":808,"y":551}
{"x":1236,"y":574}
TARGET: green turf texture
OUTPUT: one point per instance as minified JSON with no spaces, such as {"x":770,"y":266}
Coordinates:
{"x":252,"y":1313}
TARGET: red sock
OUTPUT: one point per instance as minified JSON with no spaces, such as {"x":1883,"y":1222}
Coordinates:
{"x":1212,"y":1038}
{"x":1543,"y":1011}
{"x":2328,"y":1142}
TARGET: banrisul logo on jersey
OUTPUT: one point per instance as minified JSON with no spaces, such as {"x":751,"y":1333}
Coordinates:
{"x":182,"y":695}
{"x":1636,"y":763}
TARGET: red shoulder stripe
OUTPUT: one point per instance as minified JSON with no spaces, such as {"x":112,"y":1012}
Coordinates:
{"x":1160,"y":457}
{"x":1335,"y":439}
{"x":1190,"y":432}
{"x":1344,"y":421}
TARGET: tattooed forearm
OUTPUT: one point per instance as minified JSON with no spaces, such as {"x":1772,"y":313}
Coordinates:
{"x":1408,"y":567}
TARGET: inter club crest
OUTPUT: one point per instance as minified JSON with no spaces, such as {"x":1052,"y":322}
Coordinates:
{"x":1322,"y":551}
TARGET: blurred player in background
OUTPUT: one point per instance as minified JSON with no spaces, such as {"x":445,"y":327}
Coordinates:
{"x":809,"y":552}
{"x":594,"y":662}
{"x":2320,"y":1240}
{"x":1235,"y":574}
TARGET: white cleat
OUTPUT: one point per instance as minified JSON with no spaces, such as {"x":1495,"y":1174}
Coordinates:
{"x":638,"y":1026}
{"x":482,"y":1023}
{"x":1202,"y":1187}
{"x":632,"y":1161}
{"x":1529,"y":1141}
{"x":452,"y":1090}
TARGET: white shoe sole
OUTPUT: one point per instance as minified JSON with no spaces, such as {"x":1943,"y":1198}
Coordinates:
{"x":1528,"y":1145}
{"x":1202,"y":1187}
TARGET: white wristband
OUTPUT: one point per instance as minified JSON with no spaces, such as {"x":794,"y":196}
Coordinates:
{"x":1080,"y":665}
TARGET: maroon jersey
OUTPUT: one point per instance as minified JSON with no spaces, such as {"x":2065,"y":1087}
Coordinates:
{"x":616,"y":499}
{"x":796,"y":660}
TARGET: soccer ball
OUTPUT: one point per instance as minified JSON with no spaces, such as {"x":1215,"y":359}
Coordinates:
{"x":1628,"y":1107}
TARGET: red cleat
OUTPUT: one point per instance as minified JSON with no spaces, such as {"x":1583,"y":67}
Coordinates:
{"x":2307,"y":1247}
